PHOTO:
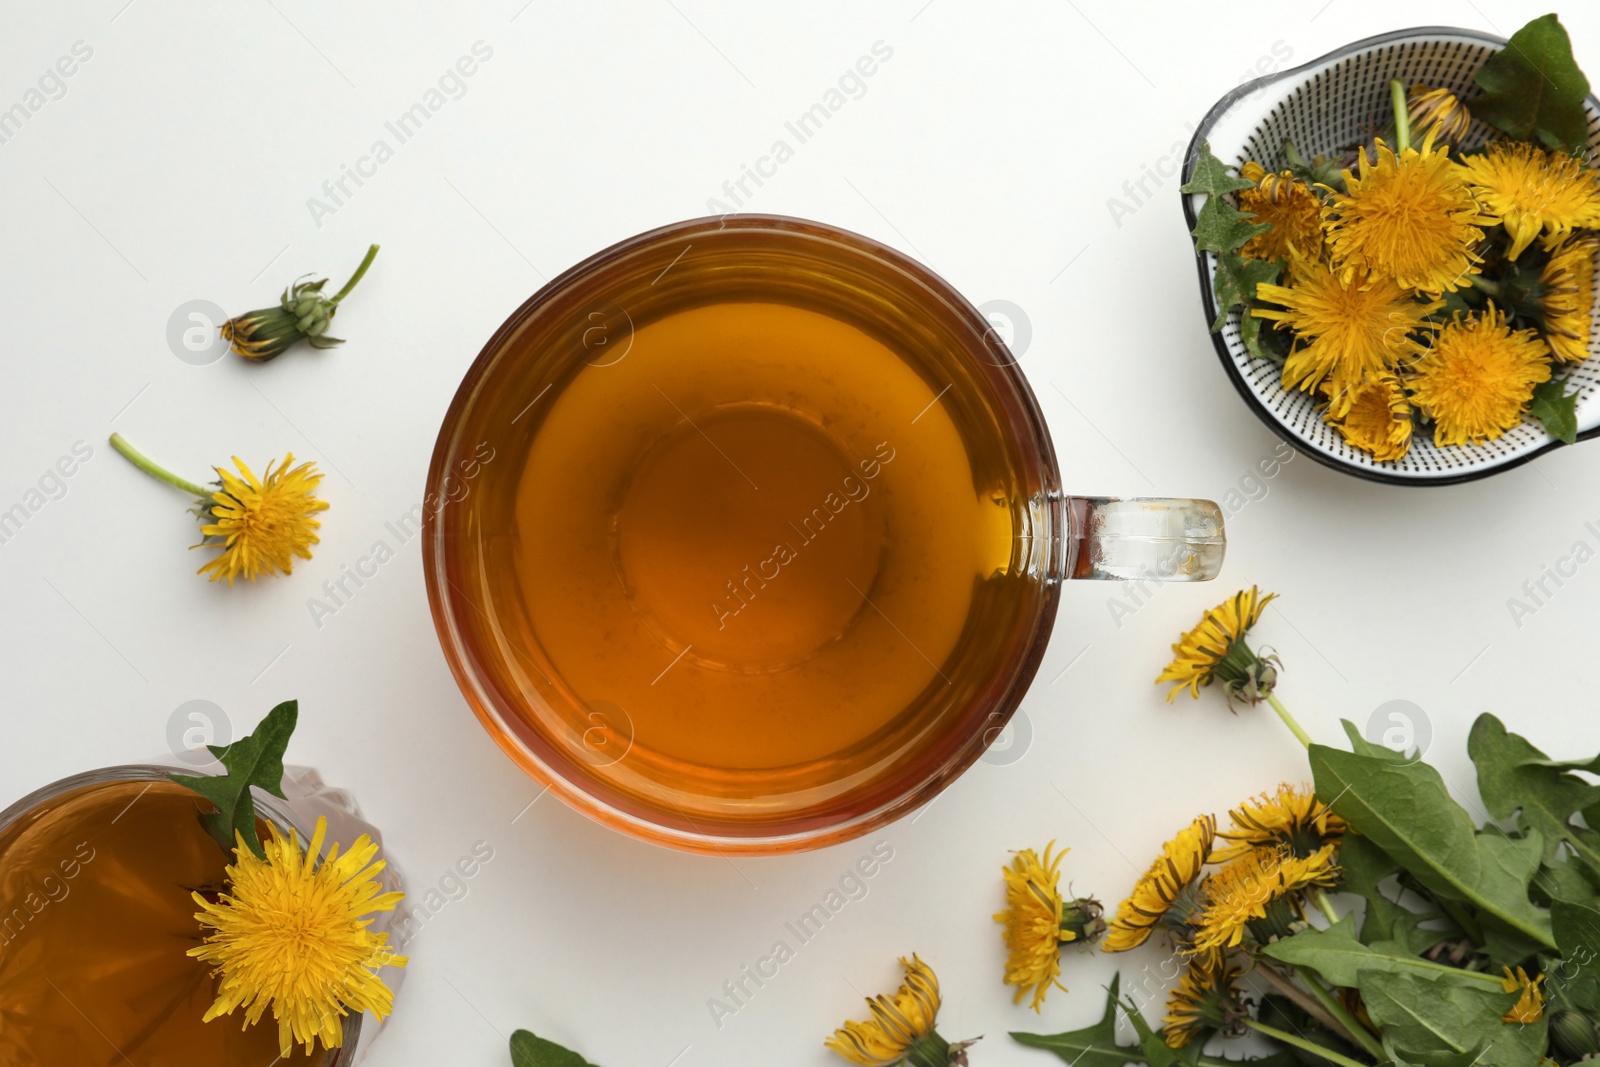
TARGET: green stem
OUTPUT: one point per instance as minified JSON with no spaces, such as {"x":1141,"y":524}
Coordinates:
{"x":1134,"y":1054}
{"x":1484,"y":285}
{"x":1402,"y":116}
{"x":1348,"y":1022}
{"x":1288,"y":720}
{"x":1320,"y":898}
{"x":1313,"y":1009}
{"x":1302,"y":1044}
{"x":150,"y":467}
{"x":372,"y":254}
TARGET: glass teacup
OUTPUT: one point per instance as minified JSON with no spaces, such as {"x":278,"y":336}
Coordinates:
{"x":96,"y":873}
{"x":746,"y":535}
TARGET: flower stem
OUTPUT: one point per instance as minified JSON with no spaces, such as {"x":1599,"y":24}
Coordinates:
{"x":1347,"y":1022}
{"x":1484,"y":285}
{"x":1281,"y":983}
{"x":1302,"y":1044}
{"x":372,"y":254}
{"x":1402,"y":116}
{"x":150,"y":467}
{"x":1288,"y":720}
{"x":1320,"y":898}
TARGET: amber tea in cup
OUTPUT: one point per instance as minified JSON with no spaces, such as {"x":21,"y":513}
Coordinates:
{"x":744,"y":535}
{"x":96,"y":919}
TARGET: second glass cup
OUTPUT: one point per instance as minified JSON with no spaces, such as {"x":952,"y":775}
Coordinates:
{"x":745,"y":535}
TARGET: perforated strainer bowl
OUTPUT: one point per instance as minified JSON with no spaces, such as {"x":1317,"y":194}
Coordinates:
{"x":1324,"y":106}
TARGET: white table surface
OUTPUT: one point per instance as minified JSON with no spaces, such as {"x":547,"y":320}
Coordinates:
{"x":178,"y":165}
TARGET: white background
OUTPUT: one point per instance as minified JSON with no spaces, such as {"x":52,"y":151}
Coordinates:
{"x":178,"y":166}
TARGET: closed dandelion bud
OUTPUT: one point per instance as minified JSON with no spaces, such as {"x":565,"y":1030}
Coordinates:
{"x":302,"y":313}
{"x":1573,"y":1034}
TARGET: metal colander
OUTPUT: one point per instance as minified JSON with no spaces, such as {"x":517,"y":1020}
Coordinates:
{"x":1324,"y":106}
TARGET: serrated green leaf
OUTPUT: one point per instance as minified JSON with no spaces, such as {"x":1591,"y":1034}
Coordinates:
{"x":1221,"y":227}
{"x":1405,"y":809}
{"x":1533,"y":89}
{"x":1210,"y":176}
{"x":1236,"y":279}
{"x":1337,"y":955}
{"x":1436,"y":1022}
{"x":253,"y":760}
{"x":1157,"y":1053}
{"x":530,"y":1050}
{"x":1362,"y":747}
{"x":1092,"y":1046}
{"x":1396,"y":930}
{"x":1504,"y":947}
{"x":1577,"y":929}
{"x":1556,"y":409}
{"x":1542,"y":798}
{"x":1365,"y":865}
{"x":1566,"y":879}
{"x":1254,"y":333}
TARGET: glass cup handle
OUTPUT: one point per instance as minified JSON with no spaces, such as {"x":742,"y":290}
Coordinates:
{"x":1148,"y":539}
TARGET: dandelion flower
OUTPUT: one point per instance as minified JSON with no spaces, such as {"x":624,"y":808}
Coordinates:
{"x":1478,"y":379}
{"x":1409,"y":218}
{"x":1533,"y":191}
{"x":1292,"y":819}
{"x":1348,"y":324}
{"x":1293,"y":210}
{"x":1567,"y":293}
{"x":1154,"y":894}
{"x":262,"y":524}
{"x":901,"y":1028}
{"x":1258,"y":886}
{"x":1529,"y":1007}
{"x":1205,"y":1000}
{"x":1216,"y":648}
{"x":1376,"y":417}
{"x":1438,"y":113}
{"x":291,"y":934}
{"x":1039,"y":920}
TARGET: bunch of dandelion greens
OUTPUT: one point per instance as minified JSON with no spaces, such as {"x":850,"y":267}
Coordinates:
{"x":1377,"y":918}
{"x":289,"y":929}
{"x":1425,"y":285}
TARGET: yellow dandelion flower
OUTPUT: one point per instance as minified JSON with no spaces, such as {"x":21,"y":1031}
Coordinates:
{"x":1154,"y":894}
{"x":1205,"y":1000}
{"x":1039,"y":920}
{"x":291,"y":934}
{"x":1376,"y":417}
{"x":1348,"y":325}
{"x":1293,"y":819}
{"x":1216,"y":648}
{"x":261,"y":524}
{"x":1409,"y":218}
{"x":901,"y":1026}
{"x":1478,"y":379}
{"x":1567,"y":284}
{"x":1438,"y":113}
{"x":1529,"y":1007}
{"x":1248,"y":888}
{"x":1533,"y":191}
{"x":1294,"y":211}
